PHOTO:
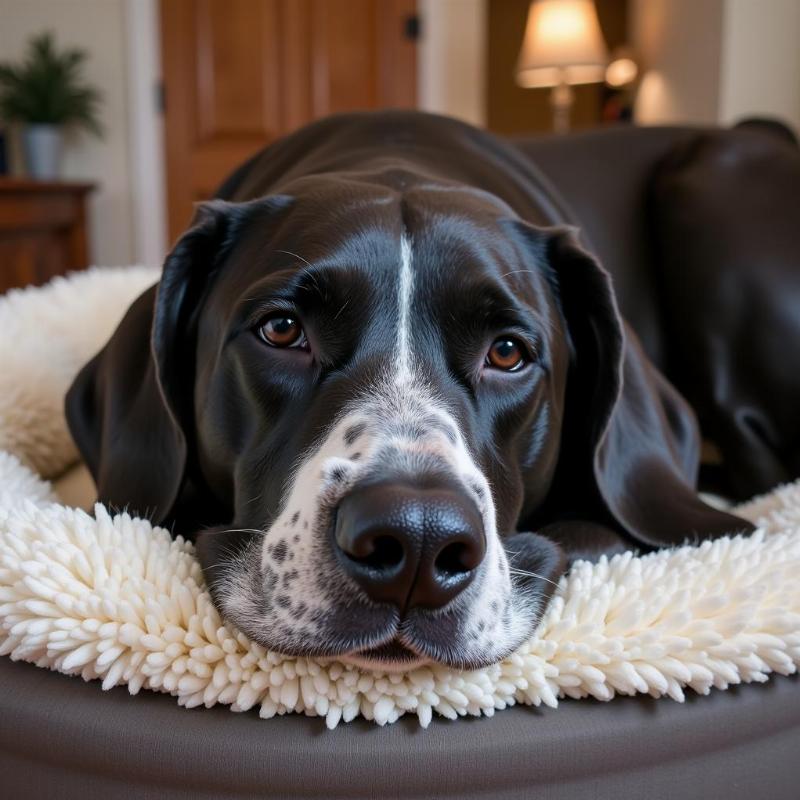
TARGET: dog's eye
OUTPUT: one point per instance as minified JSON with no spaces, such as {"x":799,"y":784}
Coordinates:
{"x":506,"y":353}
{"x":282,"y":331}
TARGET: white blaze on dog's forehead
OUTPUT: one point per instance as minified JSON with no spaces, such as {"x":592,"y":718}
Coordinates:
{"x":405,"y":290}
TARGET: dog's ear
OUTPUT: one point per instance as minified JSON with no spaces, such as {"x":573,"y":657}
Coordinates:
{"x":630,"y":445}
{"x":128,"y":409}
{"x":121,"y":423}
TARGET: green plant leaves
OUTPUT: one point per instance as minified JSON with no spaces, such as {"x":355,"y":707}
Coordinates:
{"x":48,"y":87}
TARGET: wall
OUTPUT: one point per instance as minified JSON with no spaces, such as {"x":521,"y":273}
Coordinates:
{"x":760,"y":71}
{"x":716,"y":61}
{"x":680,"y":43}
{"x":451,"y":58}
{"x":97,"y":26}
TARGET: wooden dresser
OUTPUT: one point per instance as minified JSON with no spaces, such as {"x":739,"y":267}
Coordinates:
{"x":42,"y":230}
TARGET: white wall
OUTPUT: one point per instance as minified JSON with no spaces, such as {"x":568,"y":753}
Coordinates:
{"x":452,"y":58}
{"x":680,"y":44}
{"x":97,"y":26}
{"x":716,"y":61}
{"x":760,"y":72}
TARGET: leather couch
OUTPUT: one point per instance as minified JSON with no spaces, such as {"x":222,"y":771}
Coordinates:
{"x":669,"y":211}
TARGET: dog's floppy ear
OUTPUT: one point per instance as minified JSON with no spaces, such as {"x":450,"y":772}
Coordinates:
{"x":128,"y":407}
{"x":630,"y":445}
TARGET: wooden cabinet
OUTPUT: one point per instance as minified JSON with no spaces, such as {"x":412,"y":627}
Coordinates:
{"x":240,"y":73}
{"x":42,"y":230}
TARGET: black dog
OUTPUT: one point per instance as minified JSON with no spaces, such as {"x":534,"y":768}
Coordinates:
{"x":385,"y":396}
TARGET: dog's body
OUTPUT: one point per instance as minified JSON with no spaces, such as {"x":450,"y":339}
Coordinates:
{"x":388,"y":398}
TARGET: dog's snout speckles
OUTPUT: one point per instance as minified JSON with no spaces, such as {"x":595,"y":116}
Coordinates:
{"x":337,"y":474}
{"x":279,"y":551}
{"x":352,"y":434}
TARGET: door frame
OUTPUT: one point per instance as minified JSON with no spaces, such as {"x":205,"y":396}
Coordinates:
{"x":145,"y":132}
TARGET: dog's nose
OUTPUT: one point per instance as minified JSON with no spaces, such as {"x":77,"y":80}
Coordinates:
{"x":413,"y":547}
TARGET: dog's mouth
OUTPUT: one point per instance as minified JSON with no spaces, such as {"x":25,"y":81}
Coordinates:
{"x":391,"y":651}
{"x":391,"y":656}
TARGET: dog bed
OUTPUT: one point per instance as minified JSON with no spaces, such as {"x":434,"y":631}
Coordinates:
{"x":114,"y":598}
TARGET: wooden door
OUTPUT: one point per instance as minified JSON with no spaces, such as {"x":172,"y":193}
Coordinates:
{"x":240,"y":73}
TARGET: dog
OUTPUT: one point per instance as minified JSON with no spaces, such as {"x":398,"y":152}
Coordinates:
{"x":390,"y":398}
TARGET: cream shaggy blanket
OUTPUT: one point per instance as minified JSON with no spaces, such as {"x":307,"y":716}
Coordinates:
{"x":113,"y":598}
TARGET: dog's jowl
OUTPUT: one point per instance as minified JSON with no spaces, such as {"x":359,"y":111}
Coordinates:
{"x":390,"y":397}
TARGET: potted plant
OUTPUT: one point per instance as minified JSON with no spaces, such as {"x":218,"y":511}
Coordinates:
{"x":46,"y":92}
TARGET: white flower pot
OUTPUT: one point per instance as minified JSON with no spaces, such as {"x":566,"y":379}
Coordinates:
{"x":42,"y":147}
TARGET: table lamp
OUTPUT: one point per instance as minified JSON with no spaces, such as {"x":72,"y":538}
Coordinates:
{"x":563,"y":46}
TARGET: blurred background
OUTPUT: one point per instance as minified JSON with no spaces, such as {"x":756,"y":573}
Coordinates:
{"x":156,"y":101}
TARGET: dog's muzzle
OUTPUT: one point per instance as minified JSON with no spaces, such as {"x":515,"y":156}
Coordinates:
{"x":407,"y":545}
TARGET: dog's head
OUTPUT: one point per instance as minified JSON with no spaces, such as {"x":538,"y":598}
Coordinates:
{"x":371,"y":392}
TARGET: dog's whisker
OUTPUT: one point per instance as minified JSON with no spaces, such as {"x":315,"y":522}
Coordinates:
{"x":227,"y":555}
{"x":529,"y":574}
{"x":294,"y":255}
{"x":338,"y":313}
{"x":224,"y":563}
{"x":518,"y":271}
{"x":512,"y":554}
{"x":244,"y":530}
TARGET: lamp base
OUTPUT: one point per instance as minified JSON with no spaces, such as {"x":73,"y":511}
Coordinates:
{"x":561,"y":100}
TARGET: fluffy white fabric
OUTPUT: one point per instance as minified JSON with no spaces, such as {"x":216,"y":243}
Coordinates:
{"x":46,"y":335}
{"x":117,"y":599}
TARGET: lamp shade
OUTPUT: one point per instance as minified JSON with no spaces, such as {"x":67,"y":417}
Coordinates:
{"x":563,"y":44}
